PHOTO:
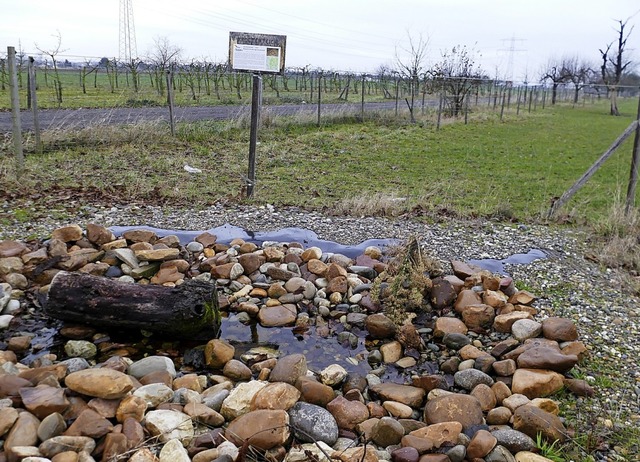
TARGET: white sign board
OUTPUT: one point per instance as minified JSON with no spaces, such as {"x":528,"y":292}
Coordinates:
{"x":257,"y":52}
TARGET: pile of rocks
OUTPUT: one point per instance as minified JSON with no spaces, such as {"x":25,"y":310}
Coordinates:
{"x":487,"y":400}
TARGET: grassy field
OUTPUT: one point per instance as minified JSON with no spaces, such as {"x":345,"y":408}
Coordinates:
{"x":508,"y":170}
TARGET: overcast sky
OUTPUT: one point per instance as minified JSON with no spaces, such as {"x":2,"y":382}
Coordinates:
{"x":354,"y":35}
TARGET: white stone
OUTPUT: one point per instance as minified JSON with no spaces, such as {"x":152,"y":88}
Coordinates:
{"x":152,"y":364}
{"x":5,"y":319}
{"x":80,"y":349}
{"x":128,"y":257}
{"x":239,"y":400}
{"x":301,"y":453}
{"x":154,"y":394}
{"x":524,"y":329}
{"x":333,"y":375}
{"x":227,"y":447}
{"x":168,"y":425}
{"x":11,"y":307}
{"x":174,"y":451}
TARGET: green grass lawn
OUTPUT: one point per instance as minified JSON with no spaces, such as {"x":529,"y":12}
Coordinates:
{"x":510,"y":169}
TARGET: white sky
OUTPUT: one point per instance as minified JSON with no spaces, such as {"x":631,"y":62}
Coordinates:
{"x":355,"y":35}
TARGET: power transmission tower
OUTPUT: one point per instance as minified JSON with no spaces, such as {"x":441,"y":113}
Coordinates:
{"x":510,"y":58}
{"x":127,"y":49}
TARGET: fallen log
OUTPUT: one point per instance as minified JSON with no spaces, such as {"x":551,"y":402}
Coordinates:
{"x":182,"y":310}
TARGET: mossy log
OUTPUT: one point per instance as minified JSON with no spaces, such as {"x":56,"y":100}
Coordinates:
{"x":182,"y":310}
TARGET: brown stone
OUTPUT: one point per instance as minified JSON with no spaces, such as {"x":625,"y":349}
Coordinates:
{"x":546,"y":358}
{"x":101,"y":383}
{"x":405,"y":394}
{"x":421,"y":445}
{"x":99,"y":235}
{"x":59,"y":444}
{"x":133,"y":430}
{"x":131,"y":407}
{"x":335,"y":270}
{"x":36,"y":257}
{"x":69,"y":233}
{"x":448,"y":325}
{"x":263,"y":428}
{"x":203,"y":414}
{"x":463,"y":270}
{"x":577,"y":348}
{"x":503,"y":322}
{"x":314,"y":392}
{"x":157,"y":377}
{"x":279,"y":315}
{"x":23,"y":432}
{"x":348,"y":414}
{"x":485,"y":396}
{"x":10,"y":385}
{"x":522,"y":297}
{"x":276,"y":395}
{"x":140,"y":235}
{"x":380,"y":326}
{"x":89,"y":423}
{"x":536,"y":383}
{"x":465,"y":409}
{"x":12,"y":248}
{"x":251,"y":262}
{"x":317,"y":267}
{"x":217,"y":353}
{"x":66,"y":456}
{"x":158,"y":254}
{"x":289,"y":368}
{"x":115,"y":444}
{"x":206,"y":239}
{"x":338,"y":284}
{"x":499,"y":416}
{"x":532,"y":421}
{"x":579,"y":387}
{"x":440,"y":433}
{"x":188,"y":381}
{"x":559,"y":329}
{"x":505,"y":368}
{"x":481,"y":444}
{"x":443,"y":293}
{"x":465,"y":298}
{"x":478,"y":316}
{"x":430,"y":382}
{"x":8,"y":417}
{"x":236,"y":370}
{"x":43,"y":400}
{"x":471,"y":352}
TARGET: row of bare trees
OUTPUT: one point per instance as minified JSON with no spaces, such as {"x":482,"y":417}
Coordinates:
{"x":580,"y":72}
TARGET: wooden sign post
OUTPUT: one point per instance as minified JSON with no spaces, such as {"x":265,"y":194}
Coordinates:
{"x":258,"y":54}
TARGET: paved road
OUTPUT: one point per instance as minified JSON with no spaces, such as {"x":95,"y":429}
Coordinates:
{"x":78,"y":118}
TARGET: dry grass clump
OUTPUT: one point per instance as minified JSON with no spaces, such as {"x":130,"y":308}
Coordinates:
{"x":405,"y":286}
{"x":379,"y":204}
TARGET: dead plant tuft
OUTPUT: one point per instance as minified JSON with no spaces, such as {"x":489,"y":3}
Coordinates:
{"x":405,"y":286}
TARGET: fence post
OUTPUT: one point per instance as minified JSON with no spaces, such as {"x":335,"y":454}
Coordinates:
{"x":15,"y":111}
{"x":256,"y":103}
{"x":440,"y":110}
{"x":504,"y":96}
{"x":319,"y":97}
{"x":397,"y":92}
{"x":362,"y":99}
{"x":172,"y":121}
{"x":34,"y":105}
{"x":635,"y":159}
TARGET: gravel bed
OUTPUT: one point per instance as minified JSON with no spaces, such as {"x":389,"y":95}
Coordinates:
{"x":569,"y":285}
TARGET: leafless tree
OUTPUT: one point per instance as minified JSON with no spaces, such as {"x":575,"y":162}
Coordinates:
{"x":614,"y":63}
{"x":163,"y":57}
{"x":53,"y":53}
{"x":411,"y":64}
{"x":578,"y":71}
{"x":457,"y":73}
{"x":555,"y":71}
